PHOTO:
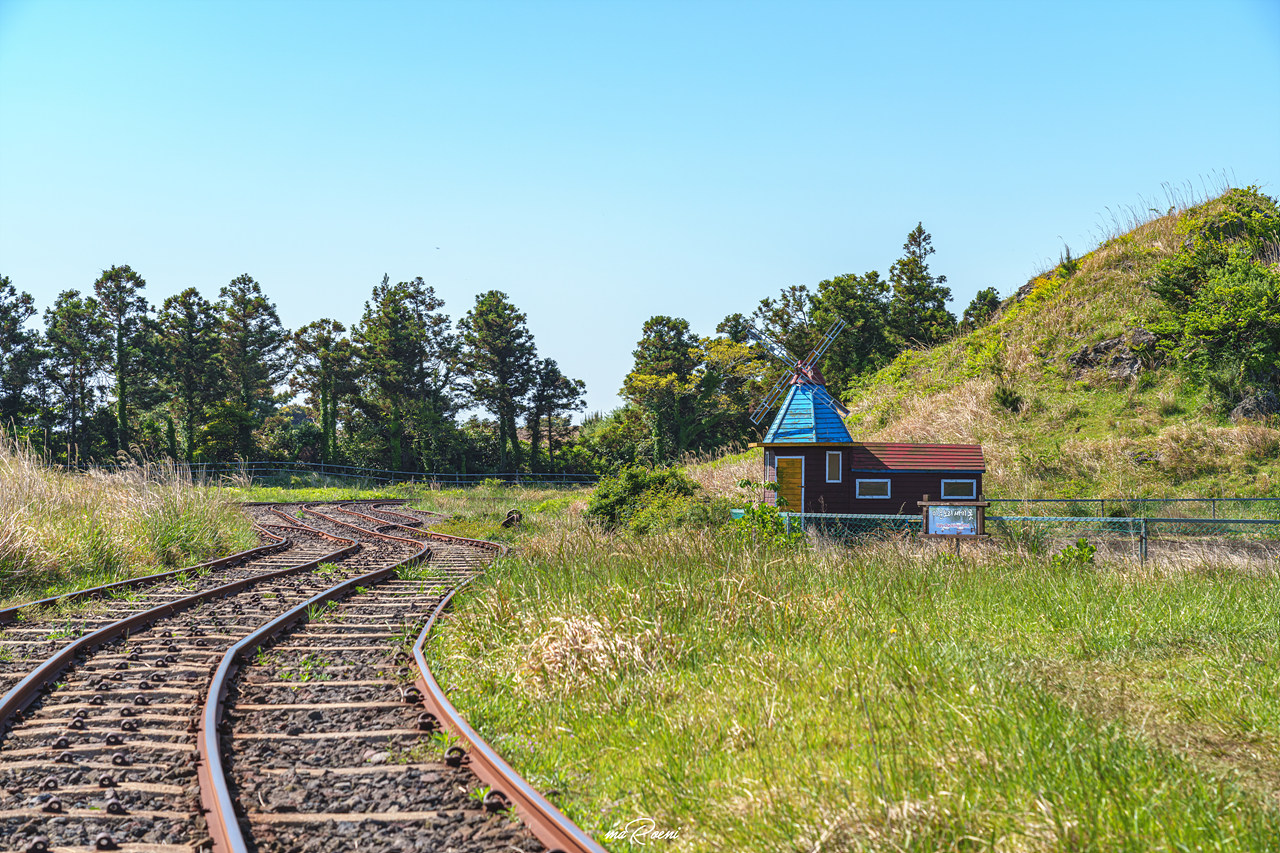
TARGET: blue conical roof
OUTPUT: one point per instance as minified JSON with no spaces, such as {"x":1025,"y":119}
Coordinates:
{"x":808,"y":416}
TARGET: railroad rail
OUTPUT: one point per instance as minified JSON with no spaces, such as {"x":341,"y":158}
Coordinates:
{"x":275,"y":700}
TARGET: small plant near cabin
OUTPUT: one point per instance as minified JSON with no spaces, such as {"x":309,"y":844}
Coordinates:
{"x":1075,"y":556}
{"x":762,"y":524}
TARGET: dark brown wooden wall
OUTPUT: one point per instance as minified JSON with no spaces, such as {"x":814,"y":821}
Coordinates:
{"x":906,"y":487}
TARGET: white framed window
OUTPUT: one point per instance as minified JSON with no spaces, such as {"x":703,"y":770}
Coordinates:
{"x":872,"y":488}
{"x":959,"y":490}
{"x":834,"y":459}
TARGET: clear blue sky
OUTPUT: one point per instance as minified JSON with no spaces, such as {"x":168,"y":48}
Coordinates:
{"x":604,"y":162}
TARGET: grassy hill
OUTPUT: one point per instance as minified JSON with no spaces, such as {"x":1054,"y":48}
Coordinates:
{"x":1128,"y":423}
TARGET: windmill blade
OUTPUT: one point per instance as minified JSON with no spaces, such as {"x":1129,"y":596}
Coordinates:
{"x":772,"y":397}
{"x":774,"y":348}
{"x":823,"y":345}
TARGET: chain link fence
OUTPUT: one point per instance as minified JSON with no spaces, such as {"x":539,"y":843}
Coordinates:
{"x":1213,"y":508}
{"x":1140,"y":537}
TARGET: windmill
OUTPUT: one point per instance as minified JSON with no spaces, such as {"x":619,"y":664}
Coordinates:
{"x":802,"y":372}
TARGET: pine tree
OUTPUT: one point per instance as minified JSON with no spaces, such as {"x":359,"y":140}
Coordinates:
{"x":498,"y":360}
{"x":76,"y":337}
{"x":918,"y":311}
{"x":253,"y":356}
{"x":322,"y":357}
{"x":125,"y":312}
{"x":981,"y":309}
{"x":407,"y":356}
{"x":189,"y":328}
{"x":20,"y":353}
{"x":553,"y":395}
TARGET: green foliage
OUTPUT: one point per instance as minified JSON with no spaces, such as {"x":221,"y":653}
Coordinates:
{"x":918,"y":310}
{"x":254,"y":358}
{"x":1224,"y":324}
{"x":188,"y":332}
{"x":1075,"y":556}
{"x":689,"y":394}
{"x":1007,"y":398}
{"x":125,"y":315}
{"x":644,"y":494}
{"x":19,"y":352}
{"x":76,"y":341}
{"x":498,"y":359}
{"x":402,"y":382}
{"x":868,"y":342}
{"x":1233,"y":322}
{"x":981,"y":309}
{"x":552,"y":397}
{"x":762,"y":524}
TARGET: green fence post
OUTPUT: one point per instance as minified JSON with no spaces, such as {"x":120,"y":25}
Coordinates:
{"x":1142,"y":543}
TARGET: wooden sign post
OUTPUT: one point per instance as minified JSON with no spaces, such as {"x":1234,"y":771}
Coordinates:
{"x":953,"y":520}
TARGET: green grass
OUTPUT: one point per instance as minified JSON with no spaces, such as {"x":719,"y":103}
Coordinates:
{"x":61,"y":532}
{"x":882,"y":699}
{"x":304,"y":489}
{"x":478,"y":512}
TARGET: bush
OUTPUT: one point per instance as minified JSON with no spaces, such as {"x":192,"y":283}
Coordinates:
{"x":646,"y":495}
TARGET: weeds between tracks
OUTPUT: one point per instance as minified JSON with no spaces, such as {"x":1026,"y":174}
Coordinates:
{"x":882,"y":698}
{"x":63,"y":531}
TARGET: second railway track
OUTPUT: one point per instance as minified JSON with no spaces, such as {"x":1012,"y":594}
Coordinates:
{"x":284,"y":712}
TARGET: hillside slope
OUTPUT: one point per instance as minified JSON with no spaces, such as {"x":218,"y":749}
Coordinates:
{"x":1119,"y":420}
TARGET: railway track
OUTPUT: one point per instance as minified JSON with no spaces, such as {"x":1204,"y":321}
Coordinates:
{"x":277,"y":701}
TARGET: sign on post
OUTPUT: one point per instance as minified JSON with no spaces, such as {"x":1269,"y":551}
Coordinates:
{"x":953,"y":519}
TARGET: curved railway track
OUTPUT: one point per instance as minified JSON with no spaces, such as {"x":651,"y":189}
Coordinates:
{"x":277,"y":700}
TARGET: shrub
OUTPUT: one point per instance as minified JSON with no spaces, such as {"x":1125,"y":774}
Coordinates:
{"x":651,"y":494}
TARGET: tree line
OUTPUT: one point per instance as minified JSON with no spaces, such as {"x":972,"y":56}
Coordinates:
{"x":202,"y":381}
{"x":687,"y":394}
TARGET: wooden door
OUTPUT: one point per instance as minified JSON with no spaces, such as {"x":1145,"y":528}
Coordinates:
{"x":791,"y":483}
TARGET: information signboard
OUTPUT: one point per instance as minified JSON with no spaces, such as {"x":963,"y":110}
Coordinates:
{"x":951,"y":520}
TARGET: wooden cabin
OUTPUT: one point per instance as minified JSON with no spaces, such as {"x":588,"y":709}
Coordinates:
{"x":818,"y":467}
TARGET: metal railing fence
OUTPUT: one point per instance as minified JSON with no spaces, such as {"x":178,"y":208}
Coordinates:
{"x":268,"y":470}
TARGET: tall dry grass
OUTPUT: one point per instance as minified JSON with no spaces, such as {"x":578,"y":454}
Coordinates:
{"x":61,"y":530}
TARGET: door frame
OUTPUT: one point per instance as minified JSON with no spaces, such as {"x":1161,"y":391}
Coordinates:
{"x":776,"y":460}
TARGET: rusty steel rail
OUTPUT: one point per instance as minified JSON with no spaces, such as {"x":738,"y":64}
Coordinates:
{"x":502,"y":550}
{"x":547,"y":822}
{"x":9,"y":615}
{"x":215,"y":796}
{"x":30,"y":688}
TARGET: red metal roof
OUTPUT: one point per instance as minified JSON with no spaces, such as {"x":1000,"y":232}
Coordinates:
{"x":894,"y":456}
